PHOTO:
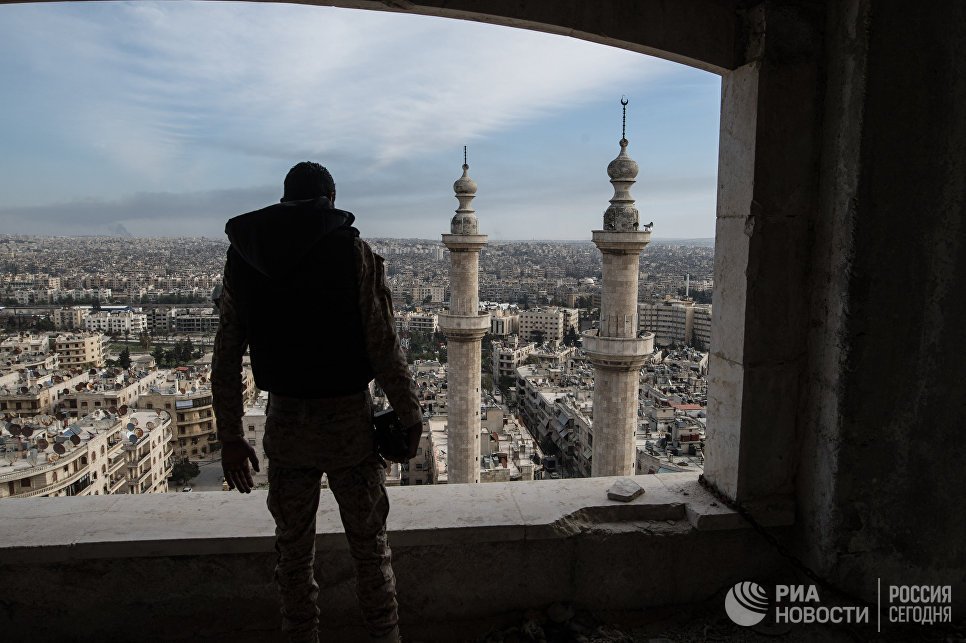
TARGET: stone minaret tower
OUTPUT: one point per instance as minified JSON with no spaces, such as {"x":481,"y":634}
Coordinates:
{"x":464,"y":327}
{"x":616,"y":352}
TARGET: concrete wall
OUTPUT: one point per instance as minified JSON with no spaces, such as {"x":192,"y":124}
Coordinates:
{"x":466,"y":557}
{"x":876,"y":496}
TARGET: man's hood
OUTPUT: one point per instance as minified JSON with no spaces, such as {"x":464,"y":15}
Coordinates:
{"x":274,"y":240}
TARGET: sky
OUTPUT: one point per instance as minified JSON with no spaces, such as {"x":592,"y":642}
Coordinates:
{"x":167,"y":119}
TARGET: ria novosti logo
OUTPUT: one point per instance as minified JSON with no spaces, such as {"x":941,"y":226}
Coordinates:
{"x":746,"y":603}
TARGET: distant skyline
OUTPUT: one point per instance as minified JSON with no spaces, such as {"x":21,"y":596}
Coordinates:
{"x":166,"y":119}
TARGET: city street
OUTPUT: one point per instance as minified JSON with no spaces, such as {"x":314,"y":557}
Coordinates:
{"x":208,"y":480}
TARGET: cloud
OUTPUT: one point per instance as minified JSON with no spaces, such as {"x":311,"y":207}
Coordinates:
{"x":150,"y":114}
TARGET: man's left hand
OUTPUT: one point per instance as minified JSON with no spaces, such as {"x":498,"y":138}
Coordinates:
{"x":235,"y":456}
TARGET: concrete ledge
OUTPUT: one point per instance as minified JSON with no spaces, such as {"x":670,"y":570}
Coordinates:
{"x":199,"y":565}
{"x":50,"y":529}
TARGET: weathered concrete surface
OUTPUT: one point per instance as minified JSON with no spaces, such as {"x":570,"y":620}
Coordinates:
{"x":882,"y":484}
{"x":767,"y":203}
{"x":199,"y":566}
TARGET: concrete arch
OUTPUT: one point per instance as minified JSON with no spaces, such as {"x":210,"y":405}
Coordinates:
{"x":700,"y":33}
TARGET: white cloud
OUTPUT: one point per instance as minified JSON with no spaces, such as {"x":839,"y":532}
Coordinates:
{"x":158,"y":98}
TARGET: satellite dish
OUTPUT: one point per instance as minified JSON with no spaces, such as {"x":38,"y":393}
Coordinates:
{"x":75,"y":439}
{"x":32,"y":457}
{"x":42,"y":444}
{"x":53,"y":457}
{"x":135,"y":421}
{"x":112,"y":410}
{"x":27,"y":431}
{"x":59,"y":449}
{"x":122,"y":409}
{"x":150,"y":425}
{"x":10,"y":456}
{"x":130,"y":426}
{"x":132,"y":438}
{"x":14,"y":429}
{"x":79,"y":387}
{"x":139,"y":433}
{"x":46,"y":420}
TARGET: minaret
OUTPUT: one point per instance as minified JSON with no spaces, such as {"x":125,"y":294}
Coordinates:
{"x":464,"y":327}
{"x":616,"y":352}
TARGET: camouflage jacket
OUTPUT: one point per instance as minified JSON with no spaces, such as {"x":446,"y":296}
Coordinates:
{"x":382,"y":346}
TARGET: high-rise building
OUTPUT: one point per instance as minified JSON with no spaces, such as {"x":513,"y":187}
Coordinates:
{"x":616,"y":351}
{"x":464,"y":326}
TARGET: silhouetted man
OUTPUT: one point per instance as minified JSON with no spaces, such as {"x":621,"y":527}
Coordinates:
{"x":309,"y":299}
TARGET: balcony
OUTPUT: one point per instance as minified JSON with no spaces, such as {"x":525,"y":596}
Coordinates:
{"x":117,"y":464}
{"x":117,"y":484}
{"x":54,"y":486}
{"x":556,"y":541}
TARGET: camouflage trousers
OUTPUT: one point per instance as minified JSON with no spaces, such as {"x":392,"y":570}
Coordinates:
{"x":305,"y":438}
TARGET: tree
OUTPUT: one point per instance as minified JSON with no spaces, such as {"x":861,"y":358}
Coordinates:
{"x":124,"y":359}
{"x":182,"y":472}
{"x":158,"y":355}
{"x":538,"y":336}
{"x":570,"y":337}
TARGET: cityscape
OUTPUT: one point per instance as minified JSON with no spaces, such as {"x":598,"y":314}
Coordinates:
{"x":105,"y":360}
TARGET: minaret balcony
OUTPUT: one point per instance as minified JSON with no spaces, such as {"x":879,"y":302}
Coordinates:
{"x":618,"y":352}
{"x":631,"y":242}
{"x":464,"y":326}
{"x":466,"y":242}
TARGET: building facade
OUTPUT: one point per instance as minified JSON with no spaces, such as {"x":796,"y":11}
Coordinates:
{"x":85,"y":349}
{"x":100,"y":454}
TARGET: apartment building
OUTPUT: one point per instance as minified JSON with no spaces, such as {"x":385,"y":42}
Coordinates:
{"x":99,"y":454}
{"x":702,"y":327}
{"x":507,"y":355}
{"x":557,"y":408}
{"x":671,"y":320}
{"x":186,"y":395}
{"x":84,"y":349}
{"x":111,"y":389}
{"x":160,"y":320}
{"x":28,"y":399}
{"x":70,"y":318}
{"x":504,"y":323}
{"x":190,"y":320}
{"x":550,"y":323}
{"x":427,"y":323}
{"x":435,"y":294}
{"x":508,"y":452}
{"x":118,"y":322}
